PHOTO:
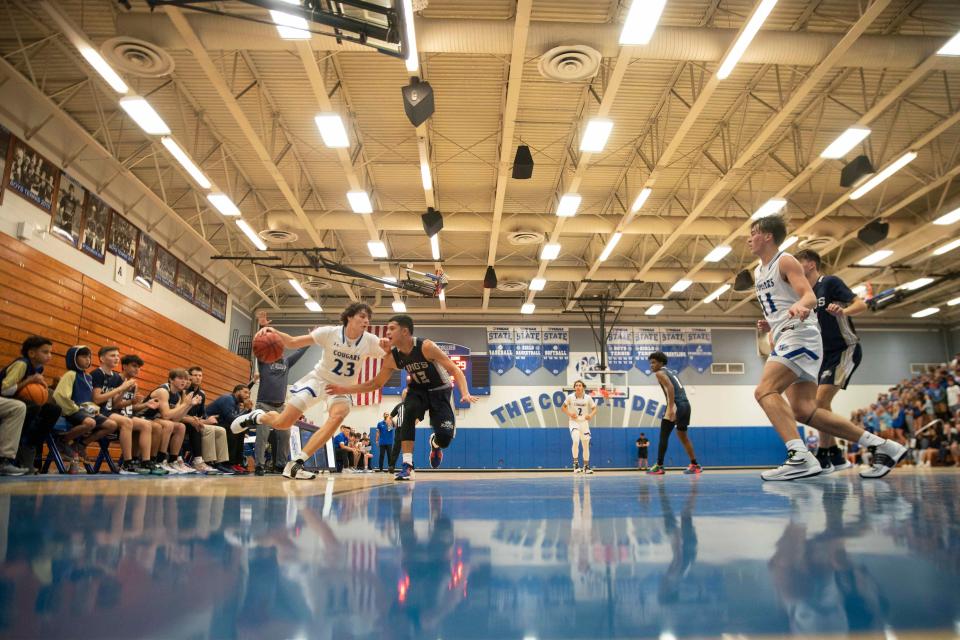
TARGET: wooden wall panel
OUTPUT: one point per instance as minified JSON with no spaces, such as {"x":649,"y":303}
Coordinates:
{"x":42,"y":296}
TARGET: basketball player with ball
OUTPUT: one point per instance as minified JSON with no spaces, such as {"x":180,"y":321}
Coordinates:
{"x":344,"y":349}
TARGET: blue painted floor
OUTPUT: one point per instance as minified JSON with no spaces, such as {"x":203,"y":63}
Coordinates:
{"x":612,"y":555}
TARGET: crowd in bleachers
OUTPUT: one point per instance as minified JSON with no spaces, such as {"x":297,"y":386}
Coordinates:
{"x":922,"y":413}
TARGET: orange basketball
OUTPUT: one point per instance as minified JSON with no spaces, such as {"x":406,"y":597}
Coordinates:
{"x":34,"y":392}
{"x":267,"y":347}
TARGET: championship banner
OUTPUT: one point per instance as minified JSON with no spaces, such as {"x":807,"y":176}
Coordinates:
{"x":620,"y":351}
{"x":501,"y":348}
{"x":529,"y":350}
{"x":556,"y":349}
{"x":646,"y":340}
{"x":673,"y":343}
{"x":699,"y":348}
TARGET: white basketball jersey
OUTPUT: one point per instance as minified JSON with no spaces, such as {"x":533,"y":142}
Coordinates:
{"x":342,"y":356}
{"x":581,"y":407}
{"x":776,"y":296}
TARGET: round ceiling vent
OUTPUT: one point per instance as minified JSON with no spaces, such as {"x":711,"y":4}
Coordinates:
{"x":570,"y":63}
{"x":524,"y":237}
{"x":278,"y":236}
{"x":511,"y":285}
{"x":313,"y":282}
{"x":814,"y":242}
{"x":137,"y":57}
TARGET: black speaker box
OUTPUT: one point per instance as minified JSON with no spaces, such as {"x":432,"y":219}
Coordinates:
{"x":523,"y":163}
{"x":432,"y":222}
{"x":856,"y":171}
{"x":490,"y":279}
{"x":418,"y":101}
{"x":874,"y":232}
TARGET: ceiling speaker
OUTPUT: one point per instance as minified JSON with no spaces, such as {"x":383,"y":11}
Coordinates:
{"x":490,"y":279}
{"x":523,"y":163}
{"x":856,"y":171}
{"x":432,"y":222}
{"x":743,"y":281}
{"x":874,"y":232}
{"x":418,"y":101}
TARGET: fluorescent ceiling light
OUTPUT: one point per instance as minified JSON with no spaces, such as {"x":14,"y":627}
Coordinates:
{"x":299,"y":288}
{"x":106,"y":72}
{"x":359,"y":202}
{"x":550,"y":251}
{"x":653,"y":309}
{"x":952,"y":48}
{"x":876,"y":256}
{"x":595,"y":135}
{"x":611,"y":244}
{"x":291,"y":27}
{"x":681,"y":285}
{"x":746,"y":36}
{"x":954,"y":302}
{"x":898,"y":164}
{"x":929,"y":311}
{"x":949,"y":218}
{"x":186,"y":162}
{"x":789,"y":242}
{"x":845,"y":142}
{"x":950,"y":246}
{"x":527,"y":308}
{"x":313,"y":305}
{"x":399,"y":306}
{"x":377,"y":249}
{"x":641,"y":197}
{"x":913,"y":285}
{"x":435,"y":246}
{"x":223,"y":204}
{"x":641,"y":22}
{"x":537,"y":284}
{"x":716,"y":294}
{"x":718,"y":253}
{"x":425,"y":176}
{"x":144,"y":115}
{"x":332,"y":131}
{"x":768,"y":208}
{"x":413,"y":60}
{"x":568,"y":205}
{"x":251,"y":234}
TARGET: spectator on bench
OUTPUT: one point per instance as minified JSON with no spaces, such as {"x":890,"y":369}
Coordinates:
{"x":173,"y":404}
{"x":74,"y":395}
{"x":343,"y":452}
{"x":213,"y":456}
{"x":225,"y":409}
{"x":12,"y":414}
{"x":35,"y":353}
{"x":108,"y":390}
{"x":132,"y":406}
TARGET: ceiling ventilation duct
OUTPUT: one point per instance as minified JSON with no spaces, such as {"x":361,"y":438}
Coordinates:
{"x":278,"y":236}
{"x":524,"y":237}
{"x":131,"y":56}
{"x":511,"y":285}
{"x":570,"y":63}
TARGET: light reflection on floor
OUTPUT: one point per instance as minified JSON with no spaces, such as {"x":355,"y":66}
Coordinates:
{"x":613,"y":555}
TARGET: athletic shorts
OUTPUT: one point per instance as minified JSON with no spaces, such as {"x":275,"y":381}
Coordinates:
{"x":75,"y":419}
{"x":310,"y":390}
{"x":838,"y":366}
{"x":437,"y":401}
{"x":683,"y":416}
{"x":582,"y":427}
{"x":800,"y":349}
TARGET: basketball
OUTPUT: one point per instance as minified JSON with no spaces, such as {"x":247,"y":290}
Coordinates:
{"x":34,"y":392}
{"x":267,"y":347}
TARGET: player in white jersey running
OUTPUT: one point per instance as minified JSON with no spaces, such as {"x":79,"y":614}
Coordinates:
{"x":787,"y":301}
{"x":580,"y":408}
{"x":344,"y":350}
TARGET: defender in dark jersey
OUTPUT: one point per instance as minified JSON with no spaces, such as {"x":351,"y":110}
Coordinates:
{"x":432,"y":375}
{"x":836,"y":303}
{"x":677,"y":414}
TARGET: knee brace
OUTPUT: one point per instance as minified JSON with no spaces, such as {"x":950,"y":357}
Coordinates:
{"x":443,"y":434}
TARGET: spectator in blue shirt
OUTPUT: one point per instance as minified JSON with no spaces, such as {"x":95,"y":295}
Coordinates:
{"x":345,"y":453}
{"x":870,"y":421}
{"x":226,"y":408}
{"x":383,"y":438}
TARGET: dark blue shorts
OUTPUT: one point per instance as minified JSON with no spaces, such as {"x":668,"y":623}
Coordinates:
{"x":838,"y":366}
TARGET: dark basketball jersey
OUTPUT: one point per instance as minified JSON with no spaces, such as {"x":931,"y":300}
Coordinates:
{"x":173,"y":399}
{"x":837,"y":333}
{"x":106,"y":382}
{"x":423,"y":373}
{"x":679,"y":395}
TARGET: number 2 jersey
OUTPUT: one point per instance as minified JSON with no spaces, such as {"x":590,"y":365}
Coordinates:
{"x":776,"y":296}
{"x":342,"y":356}
{"x":581,"y":407}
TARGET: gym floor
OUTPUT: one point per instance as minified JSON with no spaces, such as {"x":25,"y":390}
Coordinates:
{"x":492,"y":555}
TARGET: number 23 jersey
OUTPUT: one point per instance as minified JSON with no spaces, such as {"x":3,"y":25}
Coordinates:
{"x":342,"y":357}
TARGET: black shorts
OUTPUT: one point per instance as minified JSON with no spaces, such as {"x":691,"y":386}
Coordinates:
{"x":437,"y":402}
{"x":75,"y":419}
{"x":838,"y":366}
{"x":683,"y":416}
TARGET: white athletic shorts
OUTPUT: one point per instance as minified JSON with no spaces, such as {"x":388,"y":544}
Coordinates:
{"x":801,"y":350}
{"x":310,"y":390}
{"x":578,"y":429}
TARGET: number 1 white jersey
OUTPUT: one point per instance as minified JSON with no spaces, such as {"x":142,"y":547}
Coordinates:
{"x":776,"y":296}
{"x":342,"y":357}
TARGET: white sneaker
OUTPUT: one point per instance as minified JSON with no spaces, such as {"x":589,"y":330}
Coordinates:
{"x":203,"y":467}
{"x":246,"y":420}
{"x":183,"y":466}
{"x":885,"y":458}
{"x":295,"y":471}
{"x":170,"y":468}
{"x":799,"y":464}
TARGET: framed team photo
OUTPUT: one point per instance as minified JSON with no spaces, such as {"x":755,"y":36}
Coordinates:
{"x":203,"y":294}
{"x":166,"y":269}
{"x":186,"y":281}
{"x":5,"y":138}
{"x":123,"y":238}
{"x":93,"y":232}
{"x":218,"y":304}
{"x":145,"y":265}
{"x":32,"y":176}
{"x":65,"y":223}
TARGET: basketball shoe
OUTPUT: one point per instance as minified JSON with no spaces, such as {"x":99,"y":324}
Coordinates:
{"x":693,"y":469}
{"x":246,"y":420}
{"x":656,"y":470}
{"x":799,"y":464}
{"x":406,"y":473}
{"x":886,"y":457}
{"x":436,"y":453}
{"x":295,"y":471}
